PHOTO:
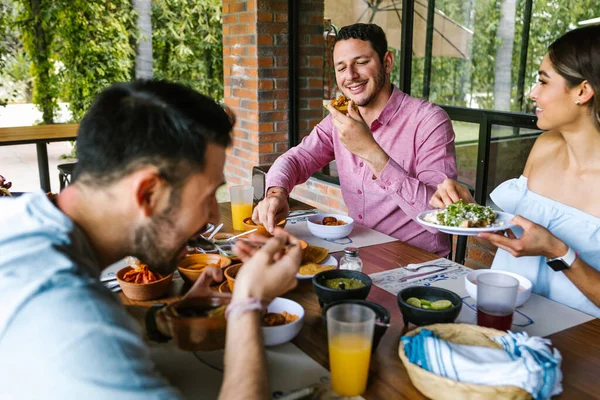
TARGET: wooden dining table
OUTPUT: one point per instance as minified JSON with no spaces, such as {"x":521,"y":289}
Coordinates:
{"x":388,"y":378}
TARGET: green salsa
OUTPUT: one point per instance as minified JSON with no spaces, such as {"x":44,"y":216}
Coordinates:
{"x":343,"y":283}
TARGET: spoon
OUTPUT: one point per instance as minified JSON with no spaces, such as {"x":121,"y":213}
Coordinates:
{"x":209,"y":229}
{"x":212,"y":235}
{"x":242,"y":234}
{"x":261,"y":244}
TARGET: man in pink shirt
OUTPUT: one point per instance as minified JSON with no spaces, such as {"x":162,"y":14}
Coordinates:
{"x":392,"y":150}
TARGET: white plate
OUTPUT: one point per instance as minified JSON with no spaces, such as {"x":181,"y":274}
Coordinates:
{"x":331,"y":260}
{"x":501,"y":217}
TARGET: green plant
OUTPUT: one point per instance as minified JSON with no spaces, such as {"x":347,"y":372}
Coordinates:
{"x":94,"y":47}
{"x":36,"y":23}
{"x":187,"y":44}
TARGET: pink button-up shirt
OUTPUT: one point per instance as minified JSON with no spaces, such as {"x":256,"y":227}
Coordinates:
{"x":419,"y":139}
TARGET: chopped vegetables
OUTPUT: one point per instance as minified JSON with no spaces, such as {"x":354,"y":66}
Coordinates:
{"x":463,"y":215}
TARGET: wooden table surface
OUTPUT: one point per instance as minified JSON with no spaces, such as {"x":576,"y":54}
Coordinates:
{"x":388,"y":379}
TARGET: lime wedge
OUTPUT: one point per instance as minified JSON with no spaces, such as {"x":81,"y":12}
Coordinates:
{"x":413,"y":301}
{"x":423,"y":301}
{"x":441,"y":304}
{"x":425,"y":306}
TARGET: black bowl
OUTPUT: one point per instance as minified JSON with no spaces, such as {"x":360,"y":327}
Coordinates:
{"x":327,"y":295}
{"x":422,"y":316}
{"x":381,"y":315}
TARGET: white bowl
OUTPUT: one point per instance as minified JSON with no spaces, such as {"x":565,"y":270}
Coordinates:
{"x":274,"y":335}
{"x":330,"y":232}
{"x":525,"y":285}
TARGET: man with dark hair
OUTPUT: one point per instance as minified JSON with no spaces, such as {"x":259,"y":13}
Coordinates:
{"x":391,"y":150}
{"x":151,"y":157}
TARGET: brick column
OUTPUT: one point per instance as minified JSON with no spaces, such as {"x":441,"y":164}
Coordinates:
{"x":256,"y":83}
{"x":255,"y":63}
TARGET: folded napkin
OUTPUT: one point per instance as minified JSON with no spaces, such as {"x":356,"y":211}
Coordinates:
{"x":526,"y":362}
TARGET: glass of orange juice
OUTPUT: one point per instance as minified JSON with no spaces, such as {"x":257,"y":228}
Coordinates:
{"x":241,"y":205}
{"x":350,"y":336}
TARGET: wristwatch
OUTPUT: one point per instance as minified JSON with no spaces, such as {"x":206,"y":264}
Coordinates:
{"x":564,"y":262}
{"x":151,"y":329}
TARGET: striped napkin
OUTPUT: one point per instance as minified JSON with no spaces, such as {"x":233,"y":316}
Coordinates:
{"x":526,"y":362}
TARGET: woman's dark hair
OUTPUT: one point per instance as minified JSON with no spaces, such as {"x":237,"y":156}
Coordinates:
{"x":576,"y":57}
{"x":369,"y":33}
{"x":131,"y":125}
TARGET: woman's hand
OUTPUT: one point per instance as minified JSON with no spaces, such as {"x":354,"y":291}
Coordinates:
{"x":448,"y":192}
{"x":535,"y":241}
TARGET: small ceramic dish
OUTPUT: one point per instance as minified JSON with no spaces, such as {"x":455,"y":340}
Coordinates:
{"x":523,"y":293}
{"x":275,"y":335}
{"x":316,"y":227}
{"x":260,"y":229}
{"x":191,"y":267}
{"x":143,"y":291}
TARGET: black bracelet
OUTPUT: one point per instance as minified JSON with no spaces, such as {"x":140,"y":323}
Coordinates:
{"x":151,"y":329}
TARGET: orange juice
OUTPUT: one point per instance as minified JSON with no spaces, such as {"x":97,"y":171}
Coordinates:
{"x":349,"y":356}
{"x":239,"y":212}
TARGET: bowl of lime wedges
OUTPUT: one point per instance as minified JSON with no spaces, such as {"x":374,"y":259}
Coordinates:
{"x":426,"y":305}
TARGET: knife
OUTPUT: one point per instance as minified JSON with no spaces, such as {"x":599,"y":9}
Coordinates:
{"x":301,"y":213}
{"x":420,"y":274}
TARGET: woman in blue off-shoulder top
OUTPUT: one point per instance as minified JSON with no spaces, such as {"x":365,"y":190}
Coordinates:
{"x":557,"y":199}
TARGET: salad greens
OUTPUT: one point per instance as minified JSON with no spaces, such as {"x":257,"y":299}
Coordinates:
{"x":464,"y":215}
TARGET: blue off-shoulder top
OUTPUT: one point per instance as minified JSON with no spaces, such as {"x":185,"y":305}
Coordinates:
{"x":578,"y":229}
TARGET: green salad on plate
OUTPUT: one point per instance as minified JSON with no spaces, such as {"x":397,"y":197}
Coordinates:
{"x":463,"y":215}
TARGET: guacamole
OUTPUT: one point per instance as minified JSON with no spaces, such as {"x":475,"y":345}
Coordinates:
{"x":343,"y":283}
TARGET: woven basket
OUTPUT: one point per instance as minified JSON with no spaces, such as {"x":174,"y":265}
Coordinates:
{"x":438,"y":388}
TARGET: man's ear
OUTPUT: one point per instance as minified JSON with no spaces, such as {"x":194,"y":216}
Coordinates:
{"x":388,"y":61}
{"x":149,"y":190}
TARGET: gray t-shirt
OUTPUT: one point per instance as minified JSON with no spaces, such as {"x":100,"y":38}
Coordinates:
{"x":62,"y":334}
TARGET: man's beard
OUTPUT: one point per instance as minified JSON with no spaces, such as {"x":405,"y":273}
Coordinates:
{"x":379,"y":81}
{"x":151,"y":249}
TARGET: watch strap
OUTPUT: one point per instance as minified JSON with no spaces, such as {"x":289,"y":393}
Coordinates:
{"x":151,"y":328}
{"x":568,"y":259}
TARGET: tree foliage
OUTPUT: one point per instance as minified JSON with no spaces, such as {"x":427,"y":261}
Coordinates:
{"x":94,"y":46}
{"x":187,"y":44}
{"x":37,"y":24}
{"x":76,"y":49}
{"x":79,"y":47}
{"x":4,"y":28}
{"x":471,"y":82}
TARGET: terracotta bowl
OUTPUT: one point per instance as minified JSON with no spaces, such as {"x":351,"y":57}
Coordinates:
{"x":230,"y":274}
{"x":144,"y":291}
{"x":222,"y":238}
{"x":191,"y":267}
{"x":194,"y":331}
{"x":249,"y":224}
{"x":224,"y":287}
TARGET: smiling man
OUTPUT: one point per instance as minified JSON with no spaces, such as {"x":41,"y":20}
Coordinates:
{"x":391,"y":150}
{"x":151,"y":157}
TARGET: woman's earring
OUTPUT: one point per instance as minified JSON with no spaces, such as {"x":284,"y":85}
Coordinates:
{"x":578,"y":102}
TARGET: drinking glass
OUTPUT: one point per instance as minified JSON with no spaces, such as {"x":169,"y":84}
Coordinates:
{"x":241,"y":205}
{"x":350,"y":337}
{"x":496,"y":298}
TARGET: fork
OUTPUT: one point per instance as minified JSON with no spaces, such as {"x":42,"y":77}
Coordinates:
{"x":416,"y":268}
